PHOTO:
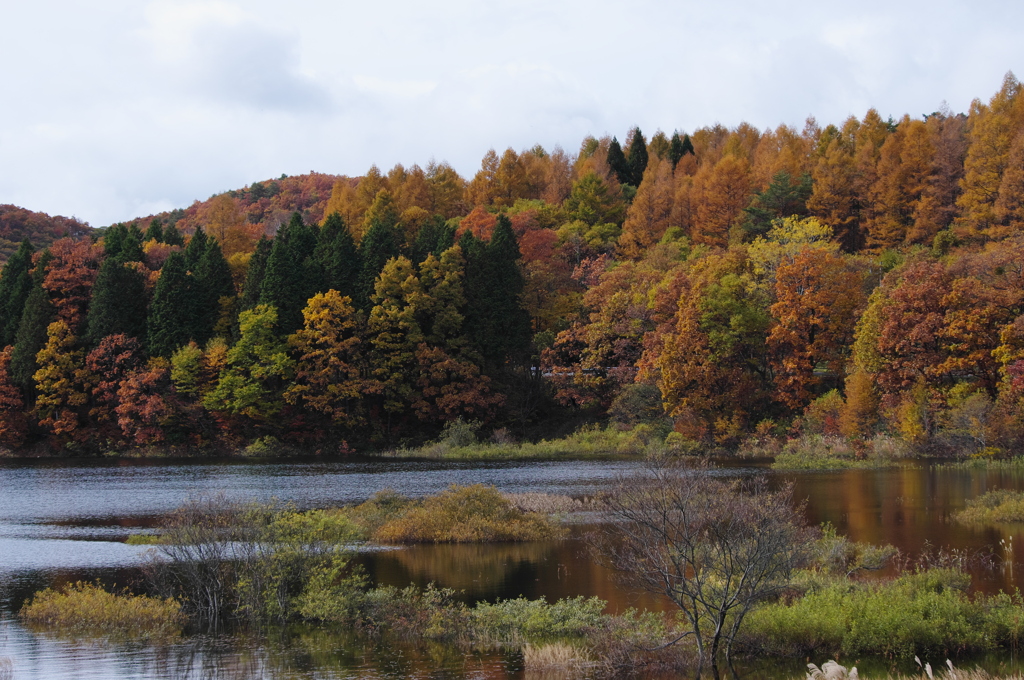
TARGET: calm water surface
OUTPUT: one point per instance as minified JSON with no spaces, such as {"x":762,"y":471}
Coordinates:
{"x":62,"y":521}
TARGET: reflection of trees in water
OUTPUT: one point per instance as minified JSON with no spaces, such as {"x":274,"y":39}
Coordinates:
{"x":549,"y":569}
{"x":328,"y":651}
{"x":482,"y":570}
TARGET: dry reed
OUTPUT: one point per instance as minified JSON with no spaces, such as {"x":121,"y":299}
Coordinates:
{"x":555,"y":656}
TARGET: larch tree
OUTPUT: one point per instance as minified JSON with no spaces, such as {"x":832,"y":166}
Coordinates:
{"x":991,"y":132}
{"x":721,"y":194}
{"x":380,"y":244}
{"x":394,"y":334}
{"x":63,"y":385}
{"x":834,"y":199}
{"x":650,"y":212}
{"x":329,"y":369}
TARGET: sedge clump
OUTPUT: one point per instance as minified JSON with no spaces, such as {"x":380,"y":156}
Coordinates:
{"x":88,"y":609}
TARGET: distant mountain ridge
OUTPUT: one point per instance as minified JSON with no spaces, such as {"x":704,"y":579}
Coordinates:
{"x":17,"y":224}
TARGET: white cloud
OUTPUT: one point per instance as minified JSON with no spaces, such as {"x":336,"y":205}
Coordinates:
{"x":114,"y":108}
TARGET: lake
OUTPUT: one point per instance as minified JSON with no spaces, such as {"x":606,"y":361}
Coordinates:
{"x":63,"y":520}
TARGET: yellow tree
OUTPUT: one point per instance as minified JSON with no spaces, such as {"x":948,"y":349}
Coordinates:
{"x":991,"y":132}
{"x":328,"y":376}
{"x":446,"y":190}
{"x":720,"y":194}
{"x":650,"y":213}
{"x":903,"y":175}
{"x":481,"y":190}
{"x":834,"y":199}
{"x":1009,"y":205}
{"x":63,"y":384}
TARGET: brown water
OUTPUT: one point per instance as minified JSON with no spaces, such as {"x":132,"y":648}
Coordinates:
{"x":61,"y":521}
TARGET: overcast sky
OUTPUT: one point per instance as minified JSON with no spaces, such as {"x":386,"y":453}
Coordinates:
{"x":119,"y":108}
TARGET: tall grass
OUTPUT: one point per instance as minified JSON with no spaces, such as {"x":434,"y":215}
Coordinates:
{"x":925,"y":612}
{"x":85,"y":608}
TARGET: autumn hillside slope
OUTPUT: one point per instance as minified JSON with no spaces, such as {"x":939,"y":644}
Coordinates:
{"x":18,"y":224}
{"x":855,"y":287}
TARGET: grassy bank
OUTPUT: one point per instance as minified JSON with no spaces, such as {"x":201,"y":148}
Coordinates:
{"x":459,"y":442}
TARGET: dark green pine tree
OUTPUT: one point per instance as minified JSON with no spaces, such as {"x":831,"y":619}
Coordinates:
{"x":338,"y":257}
{"x":781,"y":198}
{"x":171,"y":322}
{"x":131,"y":251}
{"x":379,"y":244}
{"x":118,"y":302}
{"x":496,"y":322}
{"x":113,"y":239}
{"x":195,"y":249}
{"x":617,"y":162}
{"x":211,"y":281}
{"x":290,"y":273}
{"x":254,"y":275}
{"x":155,"y":231}
{"x":688,"y":146}
{"x":172,"y":236}
{"x":15,"y":284}
{"x":38,"y":314}
{"x":435,"y":236}
{"x":675,"y":150}
{"x":637,"y":160}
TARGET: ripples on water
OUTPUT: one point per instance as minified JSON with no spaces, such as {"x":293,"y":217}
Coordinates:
{"x":67,"y":520}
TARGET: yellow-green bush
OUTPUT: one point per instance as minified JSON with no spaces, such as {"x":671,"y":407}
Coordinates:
{"x":466,"y":514}
{"x":85,"y":608}
{"x":1000,"y":505}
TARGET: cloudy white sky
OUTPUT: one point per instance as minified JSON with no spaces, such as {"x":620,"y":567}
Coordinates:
{"x":118,"y":108}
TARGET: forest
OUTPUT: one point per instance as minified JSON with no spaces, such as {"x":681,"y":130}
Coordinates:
{"x":729,"y":288}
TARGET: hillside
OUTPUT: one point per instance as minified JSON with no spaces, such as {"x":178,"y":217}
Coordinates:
{"x":17,"y":224}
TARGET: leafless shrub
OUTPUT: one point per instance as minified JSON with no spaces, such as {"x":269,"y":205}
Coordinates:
{"x":713,"y":547}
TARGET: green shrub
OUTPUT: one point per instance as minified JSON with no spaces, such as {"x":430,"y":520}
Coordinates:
{"x":85,"y":608}
{"x":1001,"y":505}
{"x":466,"y":514}
{"x":381,"y":508}
{"x":925,"y":612}
{"x":520,"y":620}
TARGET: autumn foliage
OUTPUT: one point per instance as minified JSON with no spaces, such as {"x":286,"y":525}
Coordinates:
{"x":733,"y":278}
